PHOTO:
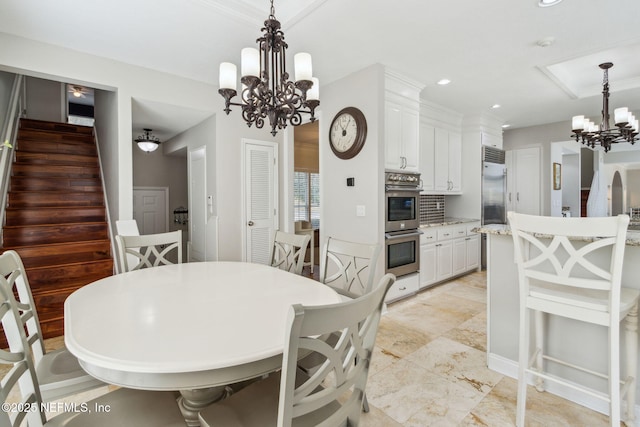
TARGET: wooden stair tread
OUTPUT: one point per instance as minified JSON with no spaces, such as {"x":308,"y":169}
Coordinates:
{"x":56,"y":217}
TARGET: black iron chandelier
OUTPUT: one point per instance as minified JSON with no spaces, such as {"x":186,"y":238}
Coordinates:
{"x":267,"y":91}
{"x":590,"y":134}
{"x":147,"y":142}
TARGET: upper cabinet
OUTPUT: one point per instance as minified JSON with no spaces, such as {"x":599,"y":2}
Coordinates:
{"x":401,"y":136}
{"x":440,"y":150}
{"x":402,"y":121}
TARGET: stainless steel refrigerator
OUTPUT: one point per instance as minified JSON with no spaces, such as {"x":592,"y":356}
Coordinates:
{"x":494,"y":190}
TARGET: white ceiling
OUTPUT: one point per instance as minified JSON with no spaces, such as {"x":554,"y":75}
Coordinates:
{"x":488,"y":49}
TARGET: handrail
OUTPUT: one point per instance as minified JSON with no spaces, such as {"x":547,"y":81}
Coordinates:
{"x":9,"y":133}
{"x":106,"y":201}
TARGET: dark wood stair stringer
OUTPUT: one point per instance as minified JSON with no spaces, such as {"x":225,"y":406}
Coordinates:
{"x":55,"y":216}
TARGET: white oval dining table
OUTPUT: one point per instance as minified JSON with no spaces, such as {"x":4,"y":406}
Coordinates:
{"x":192,"y":327}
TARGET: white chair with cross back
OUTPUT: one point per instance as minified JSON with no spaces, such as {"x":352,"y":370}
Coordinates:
{"x":331,"y":396}
{"x":561,"y":272}
{"x":58,"y":371}
{"x":151,"y":250}
{"x":21,"y":397}
{"x":288,"y":251}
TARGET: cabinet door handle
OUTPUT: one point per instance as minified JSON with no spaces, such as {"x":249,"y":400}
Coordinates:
{"x":509,"y":196}
{"x":404,"y":288}
{"x":518,"y":196}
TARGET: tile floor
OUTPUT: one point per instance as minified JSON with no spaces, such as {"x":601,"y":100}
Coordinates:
{"x":429,"y":368}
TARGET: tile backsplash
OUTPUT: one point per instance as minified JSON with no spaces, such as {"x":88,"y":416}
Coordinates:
{"x":431,"y":208}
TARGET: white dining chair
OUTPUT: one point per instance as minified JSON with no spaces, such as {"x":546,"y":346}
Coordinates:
{"x":348,"y":267}
{"x":128,"y":227}
{"x":22,"y":399}
{"x":558,"y":275}
{"x":288,"y":251}
{"x":150,"y":250}
{"x":59,"y":372}
{"x":332,"y":396}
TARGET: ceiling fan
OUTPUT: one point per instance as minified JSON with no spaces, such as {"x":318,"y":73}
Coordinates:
{"x":78,"y":91}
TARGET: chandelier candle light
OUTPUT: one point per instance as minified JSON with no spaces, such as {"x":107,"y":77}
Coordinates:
{"x":267,"y":91}
{"x":587,"y":132}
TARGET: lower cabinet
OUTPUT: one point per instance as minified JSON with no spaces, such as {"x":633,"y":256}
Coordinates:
{"x":404,"y":286}
{"x":448,"y":252}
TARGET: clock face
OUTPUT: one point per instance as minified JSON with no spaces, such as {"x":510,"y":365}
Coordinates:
{"x":344,"y":132}
{"x":347,"y":133}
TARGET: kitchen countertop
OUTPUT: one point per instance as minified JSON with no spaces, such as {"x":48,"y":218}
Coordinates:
{"x":633,"y":236}
{"x":449,"y":221}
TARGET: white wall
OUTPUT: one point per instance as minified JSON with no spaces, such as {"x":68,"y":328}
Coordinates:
{"x":6,"y":85}
{"x":540,"y":136}
{"x":45,"y":100}
{"x":571,"y":183}
{"x":365,"y":91}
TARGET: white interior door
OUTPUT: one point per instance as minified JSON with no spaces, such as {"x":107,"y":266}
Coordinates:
{"x":151,"y":209}
{"x":261,"y":198}
{"x":197,"y":246}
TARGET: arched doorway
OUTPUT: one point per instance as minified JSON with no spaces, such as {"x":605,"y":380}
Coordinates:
{"x":617,"y":207}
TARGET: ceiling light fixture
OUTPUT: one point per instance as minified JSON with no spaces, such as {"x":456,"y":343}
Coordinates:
{"x":147,"y":142}
{"x":495,"y":106}
{"x":587,"y":132}
{"x":444,"y":82}
{"x":267,"y":91}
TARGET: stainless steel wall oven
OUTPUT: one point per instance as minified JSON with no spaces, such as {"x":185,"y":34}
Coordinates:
{"x":402,"y":222}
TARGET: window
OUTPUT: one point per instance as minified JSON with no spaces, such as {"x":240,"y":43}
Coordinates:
{"x":306,"y":197}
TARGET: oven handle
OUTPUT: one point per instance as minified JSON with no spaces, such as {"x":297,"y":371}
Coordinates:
{"x":402,"y":235}
{"x":403,"y":188}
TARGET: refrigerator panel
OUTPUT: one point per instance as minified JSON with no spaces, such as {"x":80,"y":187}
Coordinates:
{"x":494,"y":187}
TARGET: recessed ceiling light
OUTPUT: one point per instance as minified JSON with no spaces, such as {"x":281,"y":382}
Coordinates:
{"x":547,"y":3}
{"x":444,"y":82}
{"x":494,"y":106}
{"x":505,"y":126}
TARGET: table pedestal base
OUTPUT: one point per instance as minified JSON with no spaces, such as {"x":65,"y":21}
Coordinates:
{"x":193,"y":401}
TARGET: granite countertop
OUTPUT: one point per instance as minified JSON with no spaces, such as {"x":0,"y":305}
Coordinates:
{"x":633,"y":236}
{"x":449,"y":221}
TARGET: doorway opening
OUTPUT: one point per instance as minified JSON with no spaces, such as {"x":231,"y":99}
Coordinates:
{"x":617,"y":196}
{"x":306,"y":190}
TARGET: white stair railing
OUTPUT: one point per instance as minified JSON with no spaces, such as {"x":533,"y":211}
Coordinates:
{"x":8,"y":142}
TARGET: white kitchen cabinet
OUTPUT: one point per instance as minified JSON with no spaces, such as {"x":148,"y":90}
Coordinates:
{"x":523,"y":180}
{"x":491,"y":140}
{"x":403,"y":287}
{"x":428,"y":265}
{"x":459,"y":259}
{"x":473,"y":252}
{"x":448,"y":251}
{"x":401,"y":137}
{"x":427,"y":159}
{"x":444,"y":260}
{"x":447,"y":157}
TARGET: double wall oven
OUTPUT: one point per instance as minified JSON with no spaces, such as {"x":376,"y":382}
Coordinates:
{"x":402,"y":222}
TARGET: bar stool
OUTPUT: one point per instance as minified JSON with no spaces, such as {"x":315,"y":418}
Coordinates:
{"x":576,"y":278}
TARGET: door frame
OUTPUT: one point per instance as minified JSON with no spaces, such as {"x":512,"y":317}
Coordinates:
{"x":243,"y":187}
{"x":194,"y":154}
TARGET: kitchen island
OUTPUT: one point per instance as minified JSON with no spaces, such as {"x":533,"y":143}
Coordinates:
{"x":568,"y":339}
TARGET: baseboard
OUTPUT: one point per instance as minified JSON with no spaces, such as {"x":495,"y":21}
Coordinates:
{"x":509,"y":368}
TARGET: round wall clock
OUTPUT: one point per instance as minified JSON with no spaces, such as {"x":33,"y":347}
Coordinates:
{"x":348,"y":132}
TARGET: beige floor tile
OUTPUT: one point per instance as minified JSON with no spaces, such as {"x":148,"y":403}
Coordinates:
{"x":473,"y":332}
{"x":405,"y":391}
{"x":398,"y":339}
{"x":377,"y":418}
{"x":458,"y":363}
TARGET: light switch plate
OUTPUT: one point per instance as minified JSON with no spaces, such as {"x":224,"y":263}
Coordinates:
{"x":360,"y":210}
